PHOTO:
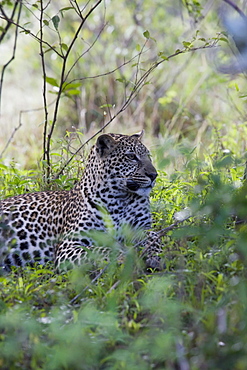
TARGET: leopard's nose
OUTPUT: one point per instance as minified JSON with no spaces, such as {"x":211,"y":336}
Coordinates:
{"x":152,"y":175}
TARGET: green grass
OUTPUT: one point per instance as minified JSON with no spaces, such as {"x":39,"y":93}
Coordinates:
{"x":191,"y":314}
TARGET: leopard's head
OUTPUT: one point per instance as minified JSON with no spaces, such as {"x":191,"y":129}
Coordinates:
{"x":125,"y":163}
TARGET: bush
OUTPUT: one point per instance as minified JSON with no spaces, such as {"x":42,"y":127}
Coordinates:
{"x":191,"y":315}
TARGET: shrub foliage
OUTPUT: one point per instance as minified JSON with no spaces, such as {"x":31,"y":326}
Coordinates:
{"x":191,"y":315}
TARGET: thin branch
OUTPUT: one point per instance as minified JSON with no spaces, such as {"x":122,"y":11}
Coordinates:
{"x":81,"y":56}
{"x":27,"y":31}
{"x":10,"y":139}
{"x":62,"y":80}
{"x":14,"y":48}
{"x":105,"y":73}
{"x":160,"y":233}
{"x":20,"y":124}
{"x":138,"y":61}
{"x":44,"y":82}
{"x":73,"y":300}
{"x":76,"y":7}
{"x":164,"y":231}
{"x":234,"y":6}
{"x":9,"y":23}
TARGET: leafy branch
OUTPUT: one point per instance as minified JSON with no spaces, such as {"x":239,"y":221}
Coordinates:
{"x":48,"y":137}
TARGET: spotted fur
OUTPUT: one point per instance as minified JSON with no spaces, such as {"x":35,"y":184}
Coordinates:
{"x":57,"y":225}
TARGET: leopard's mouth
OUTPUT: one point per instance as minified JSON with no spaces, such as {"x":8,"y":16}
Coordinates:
{"x":132,"y":185}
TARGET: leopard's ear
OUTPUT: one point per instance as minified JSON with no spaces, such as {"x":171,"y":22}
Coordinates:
{"x":105,"y":145}
{"x":138,"y":135}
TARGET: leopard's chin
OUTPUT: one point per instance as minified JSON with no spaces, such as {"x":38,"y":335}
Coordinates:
{"x":144,"y":191}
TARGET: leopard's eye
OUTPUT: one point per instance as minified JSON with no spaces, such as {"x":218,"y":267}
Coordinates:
{"x":132,"y":156}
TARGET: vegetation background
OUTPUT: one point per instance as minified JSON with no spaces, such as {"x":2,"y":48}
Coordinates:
{"x":70,"y":69}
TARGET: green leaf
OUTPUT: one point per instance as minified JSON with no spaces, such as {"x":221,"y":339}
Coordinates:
{"x":121,"y":80}
{"x":146,"y":34}
{"x":64,"y":46}
{"x":224,"y":39}
{"x":50,"y":49}
{"x":70,"y":86}
{"x":138,"y":47}
{"x":46,"y":22}
{"x":55,"y":21}
{"x":234,"y":85}
{"x":187,"y":44}
{"x":66,"y":8}
{"x":25,"y":31}
{"x":162,"y":55}
{"x":53,"y":92}
{"x":106,"y":106}
{"x":73,"y":92}
{"x":51,"y":81}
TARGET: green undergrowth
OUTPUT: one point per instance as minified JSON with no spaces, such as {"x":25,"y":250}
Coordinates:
{"x":191,"y":315}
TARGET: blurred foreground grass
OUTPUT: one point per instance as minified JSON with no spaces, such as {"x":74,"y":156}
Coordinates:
{"x":192,"y":315}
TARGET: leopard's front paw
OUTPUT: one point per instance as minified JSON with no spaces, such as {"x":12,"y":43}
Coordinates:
{"x":155,"y":262}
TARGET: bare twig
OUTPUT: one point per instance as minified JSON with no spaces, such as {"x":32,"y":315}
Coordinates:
{"x":138,"y":61}
{"x":76,"y":7}
{"x":105,"y":73}
{"x":114,"y":286}
{"x":81,"y":56}
{"x":160,"y":233}
{"x":164,"y":231}
{"x":19,"y":126}
{"x":9,"y":22}
{"x":73,"y":300}
{"x":234,"y":6}
{"x":44,"y":81}
{"x":10,"y":139}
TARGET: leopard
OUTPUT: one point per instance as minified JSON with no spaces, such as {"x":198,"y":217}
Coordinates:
{"x":58,"y":226}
